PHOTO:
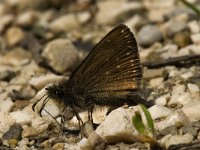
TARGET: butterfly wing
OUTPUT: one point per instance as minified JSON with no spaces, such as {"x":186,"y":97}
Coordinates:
{"x":111,"y":70}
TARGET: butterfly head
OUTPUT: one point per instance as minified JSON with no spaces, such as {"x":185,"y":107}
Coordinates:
{"x":55,"y":91}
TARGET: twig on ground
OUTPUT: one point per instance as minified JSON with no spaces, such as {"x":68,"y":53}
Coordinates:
{"x":183,"y":61}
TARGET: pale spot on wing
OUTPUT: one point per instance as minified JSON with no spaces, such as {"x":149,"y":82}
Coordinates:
{"x":118,"y":66}
{"x":107,"y":72}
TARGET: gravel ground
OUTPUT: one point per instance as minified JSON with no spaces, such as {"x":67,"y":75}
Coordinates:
{"x":43,"y":40}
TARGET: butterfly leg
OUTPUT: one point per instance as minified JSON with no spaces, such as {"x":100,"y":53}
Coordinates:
{"x":62,"y":119}
{"x":90,"y":111}
{"x":80,"y":121}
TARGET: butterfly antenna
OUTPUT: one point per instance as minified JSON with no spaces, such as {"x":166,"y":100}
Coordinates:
{"x":33,"y":106}
{"x":54,"y":119}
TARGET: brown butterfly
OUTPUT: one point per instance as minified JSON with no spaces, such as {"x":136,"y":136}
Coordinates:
{"x":110,"y":75}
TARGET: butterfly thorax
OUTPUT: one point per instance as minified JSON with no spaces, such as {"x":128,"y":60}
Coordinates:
{"x":64,"y":93}
{"x":55,"y":91}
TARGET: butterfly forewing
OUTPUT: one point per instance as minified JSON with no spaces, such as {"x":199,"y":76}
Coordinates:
{"x":112,"y":66}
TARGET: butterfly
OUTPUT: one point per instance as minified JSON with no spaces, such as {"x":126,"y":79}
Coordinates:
{"x":110,"y":75}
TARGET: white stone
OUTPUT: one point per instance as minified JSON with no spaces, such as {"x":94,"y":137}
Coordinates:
{"x":12,"y":87}
{"x":44,"y":18}
{"x":179,"y":139}
{"x":3,"y":95}
{"x":163,"y":140}
{"x":41,"y":81}
{"x":5,"y":122}
{"x":107,"y":15}
{"x":23,"y":144}
{"x":26,"y":73}
{"x":177,"y":118}
{"x":156,"y":82}
{"x":157,"y":12}
{"x":179,"y":96}
{"x":99,"y":114}
{"x":186,"y":75}
{"x":183,"y":51}
{"x":64,"y":23}
{"x":61,"y":55}
{"x":6,"y":105}
{"x":27,"y":18}
{"x":162,"y":100}
{"x":5,"y":20}
{"x":21,"y":117}
{"x":83,"y":17}
{"x":118,"y":126}
{"x":194,"y":26}
{"x":193,"y":88}
{"x":192,"y":111}
{"x":16,"y":57}
{"x":153,"y":73}
{"x":194,"y":48}
{"x":92,"y":142}
{"x":30,"y":132}
{"x":144,"y":53}
{"x":173,"y":72}
{"x":82,"y":144}
{"x":14,"y":35}
{"x":182,"y":99}
{"x":71,"y":146}
{"x":195,"y":38}
{"x":169,"y":50}
{"x":40,"y":124}
{"x":158,"y":112}
{"x":4,"y":9}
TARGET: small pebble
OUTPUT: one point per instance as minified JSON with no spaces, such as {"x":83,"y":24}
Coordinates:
{"x":191,"y":110}
{"x":6,"y":105}
{"x":15,"y":132}
{"x":179,"y":139}
{"x":41,"y":81}
{"x":30,"y":132}
{"x":156,"y":82}
{"x":27,"y":18}
{"x":107,"y":15}
{"x":59,"y":146}
{"x":5,"y":122}
{"x":195,"y":38}
{"x":148,"y":35}
{"x":64,"y":23}
{"x":162,"y":100}
{"x":158,"y":112}
{"x":14,"y":35}
{"x":179,"y":96}
{"x":61,"y":55}
{"x":194,"y":26}
{"x":177,"y":118}
{"x":193,"y":88}
{"x":21,"y":117}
